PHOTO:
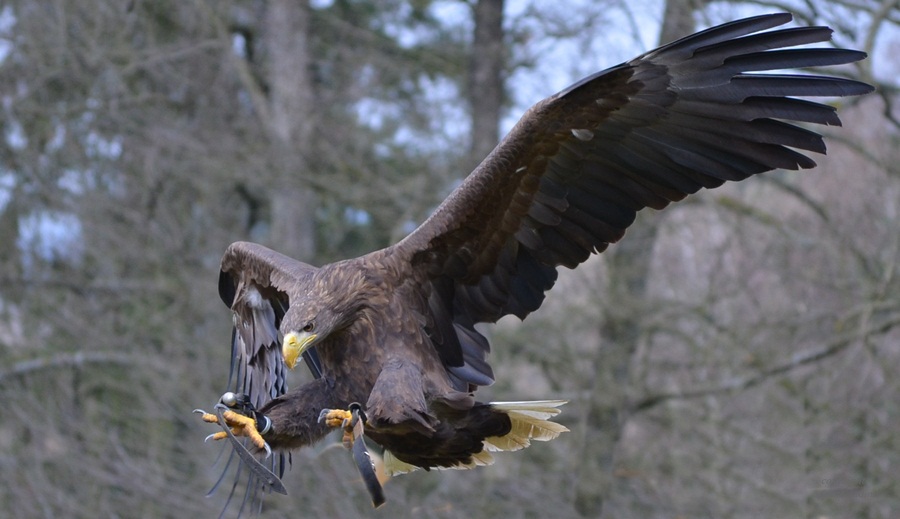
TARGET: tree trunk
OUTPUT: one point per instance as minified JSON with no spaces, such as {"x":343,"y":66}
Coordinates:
{"x":678,"y":19}
{"x":485,"y":89}
{"x":292,"y":119}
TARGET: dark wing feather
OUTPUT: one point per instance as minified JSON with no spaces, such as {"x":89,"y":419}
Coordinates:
{"x":257,"y":284}
{"x":571,"y":175}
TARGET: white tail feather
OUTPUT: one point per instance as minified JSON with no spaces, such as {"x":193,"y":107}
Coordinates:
{"x":530,"y":421}
{"x":395,"y":467}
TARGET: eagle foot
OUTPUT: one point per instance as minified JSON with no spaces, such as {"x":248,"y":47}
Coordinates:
{"x":240,"y":426}
{"x":345,"y":419}
{"x":335,"y":417}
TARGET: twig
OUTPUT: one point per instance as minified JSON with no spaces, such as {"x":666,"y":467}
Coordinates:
{"x":834,"y":347}
{"x":76,"y":360}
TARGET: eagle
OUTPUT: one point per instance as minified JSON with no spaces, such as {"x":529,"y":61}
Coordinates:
{"x":394,"y":331}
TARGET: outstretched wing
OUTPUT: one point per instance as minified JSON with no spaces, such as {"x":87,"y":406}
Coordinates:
{"x":256,"y":283}
{"x":571,"y":175}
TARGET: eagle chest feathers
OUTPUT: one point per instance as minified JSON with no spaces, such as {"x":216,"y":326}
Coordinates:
{"x":378,"y":358}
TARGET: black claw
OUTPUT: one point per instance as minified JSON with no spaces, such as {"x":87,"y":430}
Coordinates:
{"x":323,"y":414}
{"x":358,"y":409}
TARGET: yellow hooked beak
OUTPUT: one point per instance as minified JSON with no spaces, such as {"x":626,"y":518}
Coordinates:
{"x":294,"y":345}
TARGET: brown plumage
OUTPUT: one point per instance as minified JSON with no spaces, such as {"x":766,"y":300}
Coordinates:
{"x":394,"y":330}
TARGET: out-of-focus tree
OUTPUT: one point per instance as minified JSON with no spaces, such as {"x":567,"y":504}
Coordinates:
{"x":486,"y":77}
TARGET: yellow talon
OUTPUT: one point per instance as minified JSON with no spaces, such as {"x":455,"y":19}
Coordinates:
{"x":240,"y":426}
{"x":337,"y":418}
{"x":244,"y":426}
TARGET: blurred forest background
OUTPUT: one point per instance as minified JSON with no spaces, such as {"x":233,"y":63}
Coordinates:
{"x":736,"y":356}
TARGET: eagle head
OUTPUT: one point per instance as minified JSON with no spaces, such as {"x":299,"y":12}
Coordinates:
{"x":324,"y":309}
{"x":304,"y":329}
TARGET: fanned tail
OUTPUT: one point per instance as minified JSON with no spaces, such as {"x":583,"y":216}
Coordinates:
{"x":530,"y":421}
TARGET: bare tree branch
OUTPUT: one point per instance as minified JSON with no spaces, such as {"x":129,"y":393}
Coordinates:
{"x":78,"y":360}
{"x":838,"y":345}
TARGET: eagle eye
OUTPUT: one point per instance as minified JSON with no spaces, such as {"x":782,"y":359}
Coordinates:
{"x":310,"y":326}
